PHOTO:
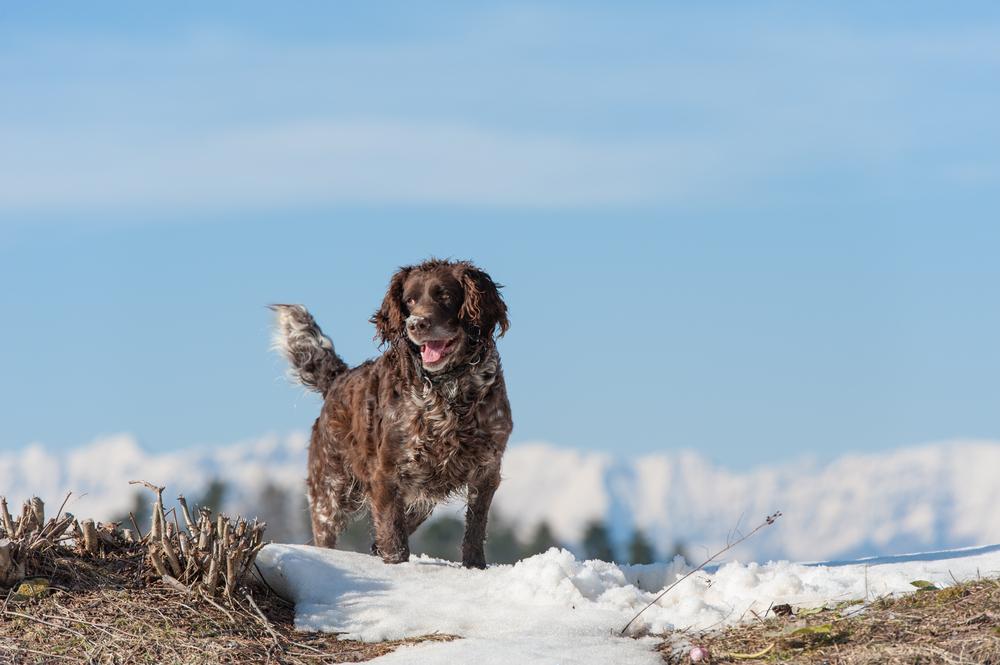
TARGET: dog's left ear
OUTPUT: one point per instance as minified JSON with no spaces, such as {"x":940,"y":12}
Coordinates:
{"x":483,"y":307}
{"x":390,"y":319}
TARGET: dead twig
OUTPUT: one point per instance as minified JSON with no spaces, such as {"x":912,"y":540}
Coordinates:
{"x":44,"y":622}
{"x":173,"y":583}
{"x":63,"y":505}
{"x":213,"y":555}
{"x":768,"y":521}
{"x":264,"y":622}
{"x":17,"y":649}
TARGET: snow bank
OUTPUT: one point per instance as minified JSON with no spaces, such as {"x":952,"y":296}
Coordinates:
{"x":552,"y":608}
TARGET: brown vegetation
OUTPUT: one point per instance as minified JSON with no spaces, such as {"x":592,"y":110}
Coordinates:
{"x":110,"y":598}
{"x":84,"y":609}
{"x":959,"y":625}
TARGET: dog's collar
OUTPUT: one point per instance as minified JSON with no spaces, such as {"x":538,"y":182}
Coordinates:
{"x":436,"y":379}
{"x":442,"y":377}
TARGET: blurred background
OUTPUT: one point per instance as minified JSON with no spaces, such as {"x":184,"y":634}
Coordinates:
{"x":750,"y":255}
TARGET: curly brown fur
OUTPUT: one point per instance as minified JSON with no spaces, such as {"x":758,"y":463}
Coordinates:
{"x":426,"y":420}
{"x":314,"y":362}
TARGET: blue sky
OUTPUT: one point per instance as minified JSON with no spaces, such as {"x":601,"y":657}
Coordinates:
{"x":759,"y":233}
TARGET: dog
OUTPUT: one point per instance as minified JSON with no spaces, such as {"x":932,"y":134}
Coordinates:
{"x":425,"y":421}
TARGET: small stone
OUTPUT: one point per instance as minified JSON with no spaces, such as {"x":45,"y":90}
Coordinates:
{"x":784,"y":610}
{"x":699,"y":654}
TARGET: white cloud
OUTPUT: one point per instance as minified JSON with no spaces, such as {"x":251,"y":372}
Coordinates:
{"x":623,"y":110}
{"x":343,"y":162}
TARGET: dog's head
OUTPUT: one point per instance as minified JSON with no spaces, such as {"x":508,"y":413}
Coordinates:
{"x":443,"y":309}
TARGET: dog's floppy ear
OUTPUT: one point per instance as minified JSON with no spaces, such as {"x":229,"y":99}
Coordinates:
{"x":483,"y":307}
{"x":390,"y":319}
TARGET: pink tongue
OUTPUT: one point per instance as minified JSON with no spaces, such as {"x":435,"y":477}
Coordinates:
{"x":432,"y":352}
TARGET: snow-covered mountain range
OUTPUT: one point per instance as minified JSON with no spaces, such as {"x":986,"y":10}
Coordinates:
{"x":924,"y":497}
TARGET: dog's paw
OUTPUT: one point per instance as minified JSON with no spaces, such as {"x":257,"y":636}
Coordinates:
{"x":474,"y":561}
{"x":397,"y":556}
{"x":400,"y":556}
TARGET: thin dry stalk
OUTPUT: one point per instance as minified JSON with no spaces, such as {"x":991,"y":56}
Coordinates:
{"x":212,"y":555}
{"x":174,"y":583}
{"x":168,"y":550}
{"x":90,"y":538}
{"x":8,"y":521}
{"x":43,"y":622}
{"x":188,"y":522}
{"x":37,"y":510}
{"x":62,"y":506}
{"x":768,"y":521}
{"x":211,"y":579}
{"x":11,"y":568}
{"x":157,"y":561}
{"x":135,"y":525}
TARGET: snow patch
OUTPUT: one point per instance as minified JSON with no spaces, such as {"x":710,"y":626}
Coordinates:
{"x":554,"y":608}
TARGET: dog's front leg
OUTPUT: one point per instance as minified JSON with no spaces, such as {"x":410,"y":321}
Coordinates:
{"x":481,"y":490}
{"x":391,"y":539}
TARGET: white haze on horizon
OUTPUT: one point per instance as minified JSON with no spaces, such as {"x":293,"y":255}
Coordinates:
{"x":915,"y":498}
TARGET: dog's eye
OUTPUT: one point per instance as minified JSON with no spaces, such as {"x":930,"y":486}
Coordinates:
{"x":445,"y":297}
{"x":410,"y":302}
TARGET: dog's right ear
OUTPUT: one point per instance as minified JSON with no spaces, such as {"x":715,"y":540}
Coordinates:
{"x":390,"y":319}
{"x":483,"y":307}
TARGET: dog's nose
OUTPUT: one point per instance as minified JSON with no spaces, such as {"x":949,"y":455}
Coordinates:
{"x":417,"y":324}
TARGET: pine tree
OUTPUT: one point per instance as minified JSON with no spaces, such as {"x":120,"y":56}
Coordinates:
{"x":141,"y":510}
{"x":357,"y":536}
{"x":541,"y":540}
{"x":502,"y":545}
{"x":680,"y":549}
{"x":441,"y":538}
{"x":214,"y":496}
{"x":272,"y":508}
{"x":640,"y":550}
{"x":597,"y":542}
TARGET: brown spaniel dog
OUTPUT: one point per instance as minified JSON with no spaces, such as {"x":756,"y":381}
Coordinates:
{"x":426,"y":420}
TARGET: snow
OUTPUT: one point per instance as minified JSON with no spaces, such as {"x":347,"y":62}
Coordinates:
{"x":912,"y":499}
{"x":553,"y":608}
{"x":98,"y":473}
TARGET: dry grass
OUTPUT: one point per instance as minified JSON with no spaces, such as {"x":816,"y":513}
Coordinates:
{"x":109,"y":609}
{"x":959,"y":625}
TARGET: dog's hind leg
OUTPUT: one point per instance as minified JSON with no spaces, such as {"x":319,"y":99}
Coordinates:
{"x":328,"y":518}
{"x":330,"y":488}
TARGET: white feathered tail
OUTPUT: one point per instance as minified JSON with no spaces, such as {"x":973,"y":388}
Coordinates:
{"x":297,"y":336}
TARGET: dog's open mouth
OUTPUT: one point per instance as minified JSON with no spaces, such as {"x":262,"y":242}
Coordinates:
{"x":433,"y":351}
